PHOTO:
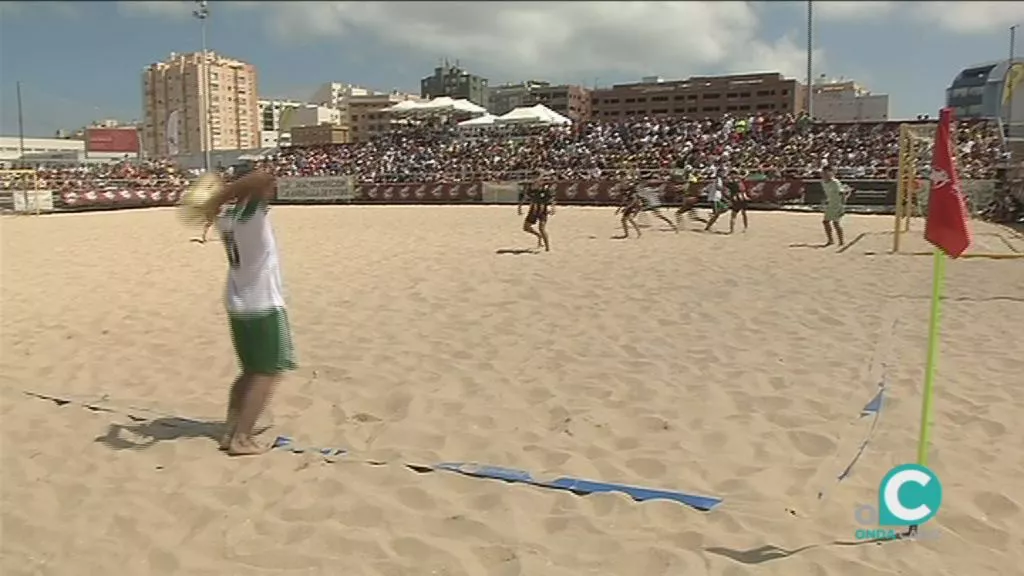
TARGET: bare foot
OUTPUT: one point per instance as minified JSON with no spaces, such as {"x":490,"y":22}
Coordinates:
{"x":246,"y":446}
{"x":225,"y":439}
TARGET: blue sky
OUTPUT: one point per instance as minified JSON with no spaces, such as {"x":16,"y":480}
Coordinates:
{"x":80,"y":61}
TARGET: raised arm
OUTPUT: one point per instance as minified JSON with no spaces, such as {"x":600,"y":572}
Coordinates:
{"x":255,"y":186}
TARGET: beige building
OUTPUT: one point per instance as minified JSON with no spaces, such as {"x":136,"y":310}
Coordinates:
{"x":366,"y":118}
{"x":319,"y":135}
{"x":846,"y":101}
{"x":173,"y":95}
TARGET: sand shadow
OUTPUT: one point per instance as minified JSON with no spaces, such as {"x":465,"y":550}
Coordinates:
{"x":197,"y":240}
{"x":770,"y":552}
{"x":516,"y":251}
{"x":982,"y":299}
{"x":148,"y":433}
{"x":806,"y":245}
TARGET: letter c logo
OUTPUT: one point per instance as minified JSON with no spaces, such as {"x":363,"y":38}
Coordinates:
{"x":908,"y":495}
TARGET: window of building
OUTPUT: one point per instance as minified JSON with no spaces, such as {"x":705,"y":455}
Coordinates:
{"x":712,"y":96}
{"x":692,"y":110}
{"x":660,"y":111}
{"x":731,"y":95}
{"x":712,"y":109}
{"x":630,"y":100}
{"x":659,"y":99}
{"x":785,"y":92}
{"x":744,"y":94}
{"x":641,"y":100}
{"x":763,"y":93}
{"x":612,"y":101}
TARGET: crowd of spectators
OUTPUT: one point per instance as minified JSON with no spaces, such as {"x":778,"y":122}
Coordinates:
{"x":773,"y":145}
{"x":149,"y":176}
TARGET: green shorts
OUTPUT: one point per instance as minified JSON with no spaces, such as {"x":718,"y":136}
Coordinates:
{"x":263,"y":341}
{"x":834,"y":212}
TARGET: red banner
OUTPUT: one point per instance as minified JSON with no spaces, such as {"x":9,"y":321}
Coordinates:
{"x":128,"y":194}
{"x":610,"y":192}
{"x":404,"y":193}
{"x":118,"y":198}
{"x":122,"y":140}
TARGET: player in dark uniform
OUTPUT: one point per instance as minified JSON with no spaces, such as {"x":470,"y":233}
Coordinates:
{"x":736,"y":201}
{"x":540,"y":197}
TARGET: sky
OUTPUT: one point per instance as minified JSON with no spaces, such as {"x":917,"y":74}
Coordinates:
{"x":82,"y":61}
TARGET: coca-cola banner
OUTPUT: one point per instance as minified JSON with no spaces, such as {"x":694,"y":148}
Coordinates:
{"x":674,"y":193}
{"x":115,"y":197}
{"x":405,"y":193}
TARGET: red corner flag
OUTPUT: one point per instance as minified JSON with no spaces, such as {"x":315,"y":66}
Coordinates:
{"x":946,"y":227}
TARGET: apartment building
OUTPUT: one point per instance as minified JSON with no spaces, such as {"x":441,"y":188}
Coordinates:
{"x":175,"y":93}
{"x":846,"y":101}
{"x":507,"y":97}
{"x":455,"y":82}
{"x":366,"y":117}
{"x":698,"y":97}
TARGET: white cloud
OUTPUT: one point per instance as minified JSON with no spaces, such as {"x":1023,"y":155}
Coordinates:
{"x":850,"y":11}
{"x":957,"y":17}
{"x":510,"y":40}
{"x":972,"y":17}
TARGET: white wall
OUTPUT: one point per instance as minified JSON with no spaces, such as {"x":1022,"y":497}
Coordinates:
{"x":314,"y":116}
{"x":848,"y":107}
{"x":9,"y":146}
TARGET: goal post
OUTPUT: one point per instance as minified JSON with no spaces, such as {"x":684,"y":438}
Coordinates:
{"x":916,"y":144}
{"x":915,"y":152}
{"x":22,"y":189}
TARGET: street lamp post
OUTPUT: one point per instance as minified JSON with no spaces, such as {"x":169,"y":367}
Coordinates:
{"x":810,"y":59}
{"x":202,"y":12}
{"x":1009,"y":87}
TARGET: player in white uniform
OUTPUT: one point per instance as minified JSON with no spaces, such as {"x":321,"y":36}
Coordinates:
{"x":255,"y":305}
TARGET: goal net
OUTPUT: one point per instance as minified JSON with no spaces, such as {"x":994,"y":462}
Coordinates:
{"x":916,"y":147}
{"x":21,"y":192}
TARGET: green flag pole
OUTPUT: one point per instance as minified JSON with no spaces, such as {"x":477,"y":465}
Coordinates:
{"x":924,"y":439}
{"x":938,"y":275}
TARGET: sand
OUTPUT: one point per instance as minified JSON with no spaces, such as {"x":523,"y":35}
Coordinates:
{"x":732,"y":366}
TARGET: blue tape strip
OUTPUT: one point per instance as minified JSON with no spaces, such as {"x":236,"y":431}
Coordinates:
{"x":566,"y":483}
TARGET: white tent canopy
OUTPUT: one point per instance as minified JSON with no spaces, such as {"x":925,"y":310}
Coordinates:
{"x":485,"y":120}
{"x":539,"y":114}
{"x":404,"y":106}
{"x":440,"y":104}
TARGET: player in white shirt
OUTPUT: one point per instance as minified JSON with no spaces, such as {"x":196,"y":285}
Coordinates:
{"x":255,"y":304}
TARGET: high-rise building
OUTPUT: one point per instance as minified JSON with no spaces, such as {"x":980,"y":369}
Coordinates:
{"x":174,"y":93}
{"x":454,"y":82}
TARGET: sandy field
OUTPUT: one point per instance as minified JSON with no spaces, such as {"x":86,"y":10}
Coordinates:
{"x":729,"y":366}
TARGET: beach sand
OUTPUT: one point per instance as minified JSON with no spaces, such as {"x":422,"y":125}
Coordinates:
{"x":730,"y":366}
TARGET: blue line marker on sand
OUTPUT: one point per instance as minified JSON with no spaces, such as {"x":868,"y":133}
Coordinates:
{"x":579,"y":486}
{"x":566,"y":483}
{"x":513,"y":476}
